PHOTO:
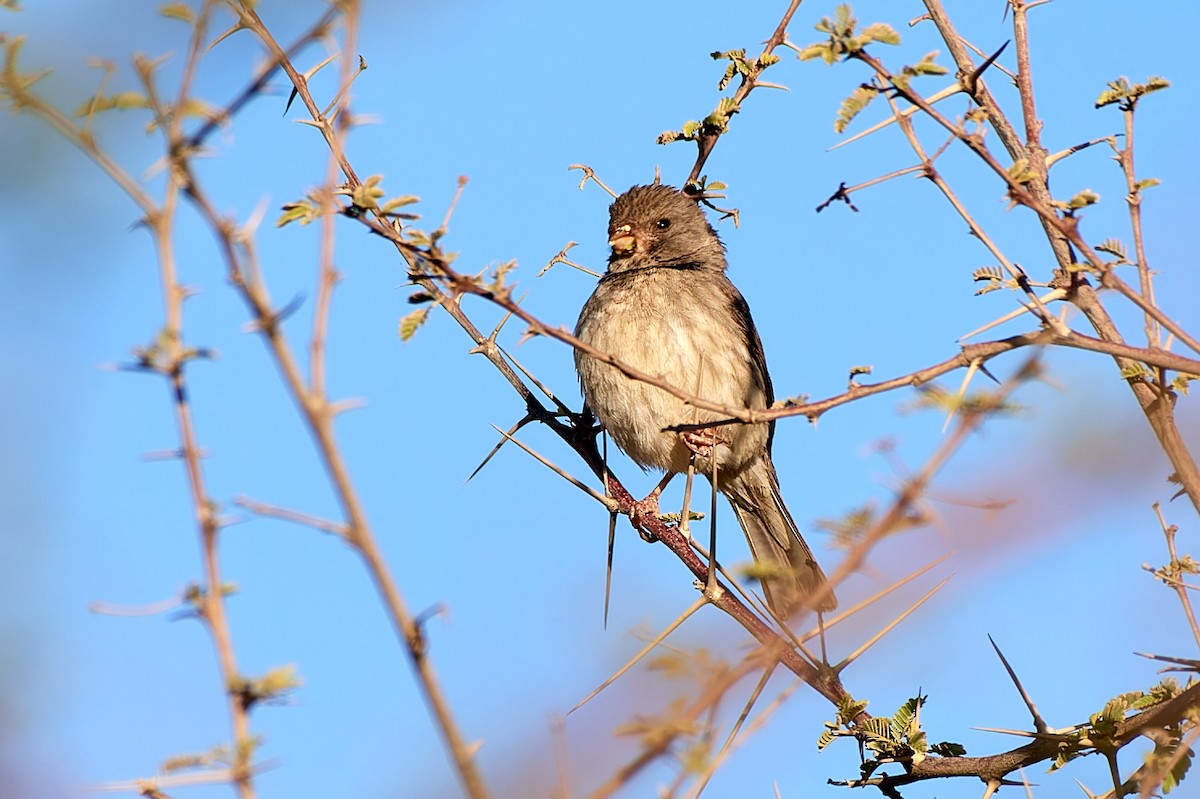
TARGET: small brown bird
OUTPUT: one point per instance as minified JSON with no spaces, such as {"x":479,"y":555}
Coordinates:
{"x":666,"y":308}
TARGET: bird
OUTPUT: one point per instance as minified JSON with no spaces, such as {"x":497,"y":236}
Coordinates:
{"x":666,"y":307}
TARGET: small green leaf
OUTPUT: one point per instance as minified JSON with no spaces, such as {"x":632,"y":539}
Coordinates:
{"x":993,"y":276}
{"x":859,"y":99}
{"x":1020,"y":171}
{"x":1146,"y":184}
{"x":926,"y":66}
{"x":822,"y":50}
{"x":851,"y":528}
{"x":179,"y":11}
{"x":497,"y":286}
{"x":948,"y":749}
{"x":1135,"y":371}
{"x":1126,"y":95}
{"x":1181,"y":383}
{"x":195,"y":107}
{"x":878,"y":727}
{"x":122,"y":101}
{"x":905,"y":720}
{"x":410,"y":323}
{"x":302,"y":212}
{"x":849,"y":708}
{"x":1179,"y":770}
{"x":367,"y":194}
{"x":398,"y":202}
{"x":1113,"y":247}
{"x":277,"y":682}
{"x":1083,"y":199}
{"x":185,"y":762}
{"x":880,"y":32}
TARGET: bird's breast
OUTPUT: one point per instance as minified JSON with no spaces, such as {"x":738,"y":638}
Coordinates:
{"x":678,"y":327}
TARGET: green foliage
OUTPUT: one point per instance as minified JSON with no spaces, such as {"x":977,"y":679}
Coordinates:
{"x":855,"y":371}
{"x":1136,"y":371}
{"x":994,"y":277}
{"x":1125,"y":95}
{"x":859,"y":99}
{"x":179,"y":11}
{"x":273,"y":686}
{"x":122,"y":101}
{"x":738,"y":65}
{"x":1172,"y":574}
{"x":1081,"y":200}
{"x":1020,"y":171}
{"x":302,"y":211}
{"x":13,"y":83}
{"x":1181,"y":381}
{"x":497,"y":285}
{"x":366,"y":197}
{"x":718,"y":121}
{"x":934,"y":397}
{"x":844,"y":38}
{"x":848,"y":710}
{"x":367,"y":194}
{"x":412,"y":322}
{"x":850,"y":528}
{"x":389,"y":207}
{"x":926,"y":66}
{"x":189,"y":761}
{"x":1113,"y":247}
{"x":898,"y":739}
{"x":1102,"y":732}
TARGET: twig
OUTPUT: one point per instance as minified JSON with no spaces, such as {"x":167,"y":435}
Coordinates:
{"x":288,"y":515}
{"x":706,"y":139}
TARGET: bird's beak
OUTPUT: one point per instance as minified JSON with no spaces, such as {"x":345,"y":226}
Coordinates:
{"x":622,"y":240}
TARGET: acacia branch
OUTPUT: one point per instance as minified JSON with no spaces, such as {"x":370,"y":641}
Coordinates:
{"x":435,"y":277}
{"x":1156,"y":401}
{"x":706,"y":138}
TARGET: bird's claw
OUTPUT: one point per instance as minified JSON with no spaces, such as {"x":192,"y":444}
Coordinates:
{"x":703,"y":441}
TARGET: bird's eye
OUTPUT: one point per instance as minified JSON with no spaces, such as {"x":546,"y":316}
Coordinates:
{"x":663,"y":224}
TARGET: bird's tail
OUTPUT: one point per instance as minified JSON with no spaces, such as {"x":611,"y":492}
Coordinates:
{"x":790,"y":572}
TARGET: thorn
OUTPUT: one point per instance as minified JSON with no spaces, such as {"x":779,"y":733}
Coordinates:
{"x":607,"y":502}
{"x":973,"y":79}
{"x":1038,"y":722}
{"x":949,"y":91}
{"x":1050,"y":296}
{"x":699,"y":603}
{"x":888,"y":628}
{"x":612,"y":538}
{"x":526,"y":419}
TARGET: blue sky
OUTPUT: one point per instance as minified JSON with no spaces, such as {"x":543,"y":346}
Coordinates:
{"x":510,"y":96}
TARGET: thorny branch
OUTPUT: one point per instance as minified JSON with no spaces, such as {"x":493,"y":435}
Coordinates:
{"x":1155,"y":399}
{"x":312,"y":400}
{"x":434,"y":275}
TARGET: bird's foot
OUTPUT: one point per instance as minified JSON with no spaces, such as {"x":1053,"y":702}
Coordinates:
{"x":702,"y":441}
